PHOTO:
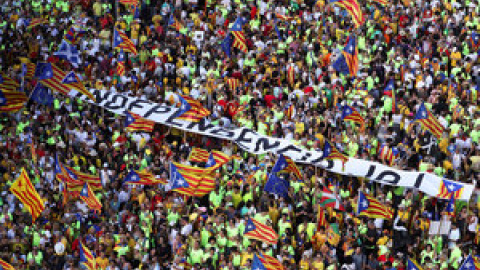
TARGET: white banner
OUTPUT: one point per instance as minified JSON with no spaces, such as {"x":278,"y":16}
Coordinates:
{"x":252,"y":142}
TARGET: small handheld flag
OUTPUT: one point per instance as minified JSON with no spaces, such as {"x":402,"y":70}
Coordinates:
{"x":256,"y":230}
{"x":372,"y":208}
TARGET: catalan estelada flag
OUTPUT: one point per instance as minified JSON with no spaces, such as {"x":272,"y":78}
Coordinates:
{"x":372,"y":208}
{"x":142,"y":178}
{"x":428,"y":121}
{"x":23,"y":189}
{"x":5,"y":266}
{"x":89,"y":198}
{"x":12,"y":101}
{"x":239,"y":40}
{"x":183,"y":183}
{"x":121,"y":41}
{"x":198,"y":155}
{"x":383,"y":3}
{"x":256,"y":230}
{"x":28,"y":70}
{"x":286,"y":164}
{"x":447,"y":188}
{"x":94,"y":181}
{"x":270,"y":262}
{"x":72,"y":81}
{"x":353,"y":8}
{"x":86,"y":257}
{"x":413,"y":265}
{"x":471,"y":263}
{"x":201,"y":181}
{"x":134,"y":122}
{"x":8,"y":84}
{"x":219,"y":157}
{"x":350,"y":114}
{"x":191,"y":109}
{"x":36,"y":22}
{"x":331,"y":152}
{"x":290,"y":111}
{"x":51,"y":76}
{"x":347,"y":63}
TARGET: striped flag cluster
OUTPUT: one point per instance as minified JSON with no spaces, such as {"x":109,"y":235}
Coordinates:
{"x":372,"y":208}
{"x":258,"y":231}
{"x":23,"y":189}
{"x":5,"y":266}
{"x":353,"y":8}
{"x":388,"y":154}
{"x":134,"y":122}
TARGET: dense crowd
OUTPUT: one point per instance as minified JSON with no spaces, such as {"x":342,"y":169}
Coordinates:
{"x":428,"y":48}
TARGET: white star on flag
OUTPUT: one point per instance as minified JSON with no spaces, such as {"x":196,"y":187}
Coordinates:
{"x":250,"y":227}
{"x":135,"y":178}
{"x":130,"y":119}
{"x":451,"y":187}
{"x":468,"y":265}
{"x":364,"y":204}
{"x":184,"y":106}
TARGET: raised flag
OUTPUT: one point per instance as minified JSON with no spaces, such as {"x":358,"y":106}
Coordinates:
{"x":12,"y":101}
{"x":142,"y":178}
{"x":428,"y":121}
{"x":286,"y":164}
{"x":191,"y":109}
{"x":321,"y":218}
{"x":330,"y":200}
{"x":331,"y":152}
{"x":270,"y":262}
{"x":36,"y":22}
{"x":239,"y":40}
{"x":447,"y":188}
{"x":277,"y":185}
{"x":87,"y":259}
{"x":291,"y":75}
{"x":413,"y":265}
{"x":333,"y":234}
{"x":121,"y":63}
{"x":227,"y":45}
{"x":183,"y":183}
{"x":69,"y":52}
{"x":353,"y":8}
{"x":28,"y":70}
{"x":5,"y":266}
{"x":51,"y":76}
{"x":7,"y":83}
{"x":290,"y":111}
{"x":121,"y":41}
{"x":198,"y":155}
{"x":220,"y":158}
{"x":475,"y":40}
{"x":388,"y":154}
{"x":23,"y":189}
{"x":134,"y":122}
{"x":89,"y":198}
{"x":233,"y":84}
{"x":371,"y":207}
{"x":71,"y":80}
{"x":347,"y":62}
{"x":257,"y":264}
{"x":40,"y":95}
{"x":471,"y":263}
{"x":351,"y":114}
{"x":256,"y":230}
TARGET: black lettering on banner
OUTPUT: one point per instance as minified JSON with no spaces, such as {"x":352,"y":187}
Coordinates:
{"x":223,"y":133}
{"x":330,"y":164}
{"x":317,"y":161}
{"x":111,"y":104}
{"x":419,"y":180}
{"x":306,"y":156}
{"x":370,"y":172}
{"x":157,"y":109}
{"x":137,"y":103}
{"x":383,"y":176}
{"x":289,"y":148}
{"x":171,"y":120}
{"x":265,"y":144}
{"x":202,"y":126}
{"x":98,"y":96}
{"x":242,"y":138}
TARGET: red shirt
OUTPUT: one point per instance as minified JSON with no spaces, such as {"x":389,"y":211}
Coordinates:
{"x":269,"y":99}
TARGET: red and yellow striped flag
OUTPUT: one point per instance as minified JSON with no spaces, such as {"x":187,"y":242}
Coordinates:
{"x":5,"y":266}
{"x":134,"y":122}
{"x":8,"y":84}
{"x":321,"y":219}
{"x":12,"y":101}
{"x":23,"y":189}
{"x":291,"y":75}
{"x":257,"y":230}
{"x":198,"y":155}
{"x":36,"y":22}
{"x":90,"y":199}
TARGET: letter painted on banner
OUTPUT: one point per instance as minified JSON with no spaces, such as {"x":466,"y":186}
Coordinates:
{"x":254,"y":143}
